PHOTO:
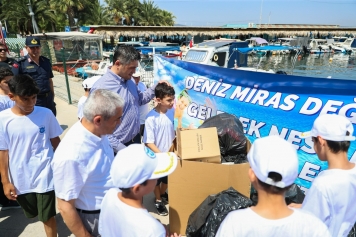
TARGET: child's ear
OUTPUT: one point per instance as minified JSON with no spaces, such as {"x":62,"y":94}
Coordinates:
{"x":11,"y":96}
{"x":158,"y":100}
{"x":252,"y":175}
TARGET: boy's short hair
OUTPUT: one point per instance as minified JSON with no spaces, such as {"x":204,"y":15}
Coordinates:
{"x":23,"y":85}
{"x":162,"y":90}
{"x":336,"y":147}
{"x":128,"y":190}
{"x":5,"y":72}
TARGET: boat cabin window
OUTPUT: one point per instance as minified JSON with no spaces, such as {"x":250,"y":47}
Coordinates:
{"x":196,"y":55}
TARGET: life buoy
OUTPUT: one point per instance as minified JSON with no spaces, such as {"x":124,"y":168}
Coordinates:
{"x":216,"y":57}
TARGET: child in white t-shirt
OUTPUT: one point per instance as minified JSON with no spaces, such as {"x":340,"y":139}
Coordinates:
{"x":134,"y":173}
{"x":274,"y":168}
{"x":28,"y":137}
{"x":87,"y":85}
{"x":5,"y":101}
{"x":159,"y":135}
{"x":332,"y":194}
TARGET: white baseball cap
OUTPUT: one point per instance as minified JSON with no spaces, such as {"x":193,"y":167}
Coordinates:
{"x":274,"y":154}
{"x":137,"y":74}
{"x":137,"y":163}
{"x":331,"y":127}
{"x":89,"y":82}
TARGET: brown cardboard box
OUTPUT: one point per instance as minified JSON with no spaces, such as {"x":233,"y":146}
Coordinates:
{"x":198,"y":144}
{"x":194,"y":181}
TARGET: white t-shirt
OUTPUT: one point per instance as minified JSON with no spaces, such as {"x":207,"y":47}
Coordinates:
{"x":159,"y":129}
{"x":81,"y":105}
{"x":81,"y":168}
{"x":143,"y":109}
{"x":248,"y":223}
{"x":30,"y":150}
{"x":5,"y":102}
{"x":331,"y":198}
{"x":117,"y":219}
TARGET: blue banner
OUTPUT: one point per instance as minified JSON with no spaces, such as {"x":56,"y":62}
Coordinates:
{"x":266,"y":104}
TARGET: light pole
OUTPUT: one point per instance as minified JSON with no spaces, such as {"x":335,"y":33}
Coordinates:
{"x":34,"y":23}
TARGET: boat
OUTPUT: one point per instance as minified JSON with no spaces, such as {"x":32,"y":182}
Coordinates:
{"x":349,"y":45}
{"x":319,"y":46}
{"x":227,"y":53}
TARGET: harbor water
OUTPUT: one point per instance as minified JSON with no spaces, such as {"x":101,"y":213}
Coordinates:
{"x":335,"y":66}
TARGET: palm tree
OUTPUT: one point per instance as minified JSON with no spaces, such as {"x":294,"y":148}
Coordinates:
{"x":118,"y":9}
{"x":149,"y":13}
{"x":69,"y":7}
{"x":166,"y":18}
{"x":18,"y":17}
{"x":95,"y":14}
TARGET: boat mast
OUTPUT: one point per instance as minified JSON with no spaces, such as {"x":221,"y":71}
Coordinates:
{"x":261,"y":14}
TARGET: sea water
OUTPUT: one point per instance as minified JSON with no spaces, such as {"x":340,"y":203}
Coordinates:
{"x":335,"y":66}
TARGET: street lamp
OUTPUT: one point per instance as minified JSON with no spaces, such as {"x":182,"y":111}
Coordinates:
{"x":34,"y":23}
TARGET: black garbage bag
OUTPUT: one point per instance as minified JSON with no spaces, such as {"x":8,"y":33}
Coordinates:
{"x":232,"y":140}
{"x":293,"y":195}
{"x":352,"y":232}
{"x":206,"y":219}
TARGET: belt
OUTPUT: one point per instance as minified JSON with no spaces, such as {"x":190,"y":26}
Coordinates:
{"x":88,"y":212}
{"x":43,"y":95}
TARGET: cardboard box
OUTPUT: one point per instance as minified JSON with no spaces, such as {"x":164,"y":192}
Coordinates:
{"x":198,"y":144}
{"x":192,"y":182}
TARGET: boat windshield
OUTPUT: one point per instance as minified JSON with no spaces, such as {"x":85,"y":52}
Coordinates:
{"x":195,"y":55}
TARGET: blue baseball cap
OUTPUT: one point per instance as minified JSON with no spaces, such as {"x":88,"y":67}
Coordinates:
{"x":33,"y":41}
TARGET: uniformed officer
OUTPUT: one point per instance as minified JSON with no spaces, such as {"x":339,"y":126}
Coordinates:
{"x":4,"y":60}
{"x":40,"y":69}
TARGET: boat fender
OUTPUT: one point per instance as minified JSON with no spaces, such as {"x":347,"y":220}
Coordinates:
{"x":281,"y":72}
{"x":215,"y":57}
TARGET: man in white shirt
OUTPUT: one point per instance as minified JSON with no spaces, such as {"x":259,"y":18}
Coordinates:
{"x":143,"y":109}
{"x":81,"y":164}
{"x":332,"y":195}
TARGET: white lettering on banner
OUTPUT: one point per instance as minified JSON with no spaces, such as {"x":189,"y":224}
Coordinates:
{"x":198,"y":84}
{"x":328,"y":107}
{"x":252,"y":93}
{"x":199,"y":111}
{"x":260,"y":97}
{"x":275,"y":99}
{"x":244,"y":122}
{"x":307,"y":173}
{"x":216,"y":88}
{"x":294,"y":137}
{"x":317,"y":104}
{"x":274,"y":131}
{"x":240,"y":94}
{"x":189,"y":82}
{"x":254,"y":128}
{"x":309,"y":147}
{"x":208,"y":86}
{"x":290,"y":103}
{"x":344,"y":112}
{"x":221,"y":92}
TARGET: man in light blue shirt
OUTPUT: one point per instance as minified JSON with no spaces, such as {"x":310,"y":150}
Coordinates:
{"x":118,"y":79}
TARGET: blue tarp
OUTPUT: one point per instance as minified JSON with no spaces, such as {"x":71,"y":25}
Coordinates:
{"x":146,"y":50}
{"x":271,"y":47}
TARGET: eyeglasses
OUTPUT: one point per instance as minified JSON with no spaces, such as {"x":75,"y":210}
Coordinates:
{"x":2,"y":50}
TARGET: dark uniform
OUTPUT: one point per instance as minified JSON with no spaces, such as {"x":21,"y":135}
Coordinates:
{"x":7,"y":63}
{"x":40,"y":73}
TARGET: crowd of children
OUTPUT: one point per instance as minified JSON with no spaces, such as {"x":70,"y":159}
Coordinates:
{"x":29,"y":136}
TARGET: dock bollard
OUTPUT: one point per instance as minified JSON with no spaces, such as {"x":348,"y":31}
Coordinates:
{"x":66,"y":76}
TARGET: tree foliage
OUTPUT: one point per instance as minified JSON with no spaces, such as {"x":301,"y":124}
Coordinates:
{"x":53,"y":15}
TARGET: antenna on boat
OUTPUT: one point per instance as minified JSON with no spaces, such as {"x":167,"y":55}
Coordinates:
{"x":261,"y":14}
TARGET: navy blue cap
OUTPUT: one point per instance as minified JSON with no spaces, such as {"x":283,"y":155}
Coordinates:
{"x":33,"y":41}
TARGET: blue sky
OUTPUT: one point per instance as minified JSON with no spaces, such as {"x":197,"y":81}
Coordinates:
{"x":220,"y":12}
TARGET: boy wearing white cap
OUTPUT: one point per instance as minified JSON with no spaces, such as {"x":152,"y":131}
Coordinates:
{"x":274,"y":168}
{"x":332,"y":195}
{"x":134,"y":172}
{"x":87,"y":85}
